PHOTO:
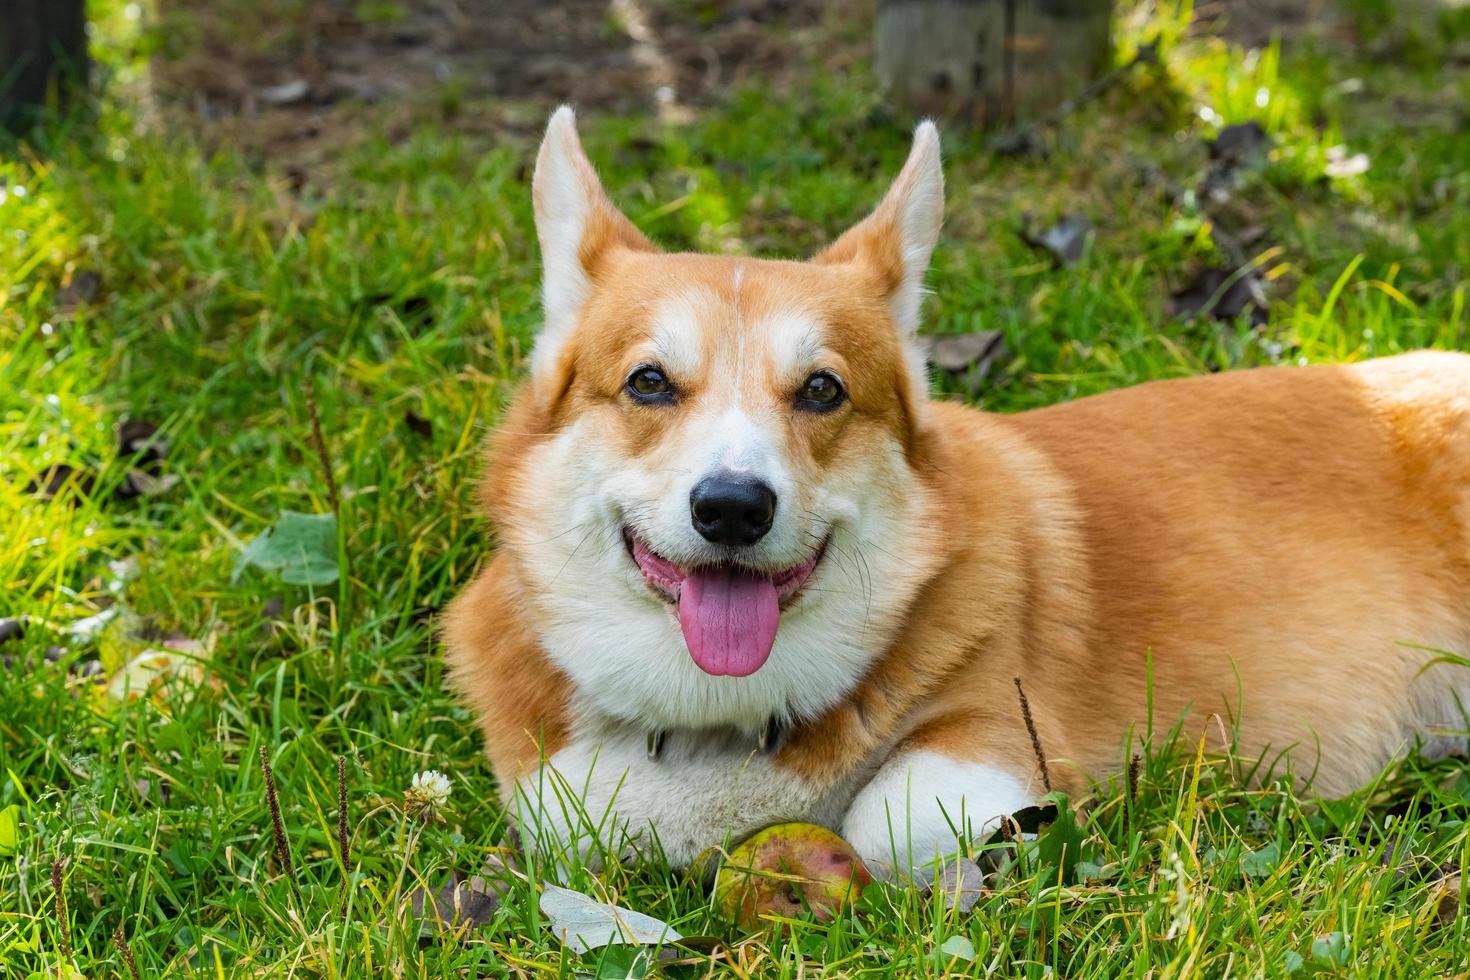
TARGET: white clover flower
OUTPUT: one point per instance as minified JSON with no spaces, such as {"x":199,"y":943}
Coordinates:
{"x":433,"y":786}
{"x":428,"y":793}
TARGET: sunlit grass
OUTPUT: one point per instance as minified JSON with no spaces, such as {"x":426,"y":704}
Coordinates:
{"x":404,"y":281}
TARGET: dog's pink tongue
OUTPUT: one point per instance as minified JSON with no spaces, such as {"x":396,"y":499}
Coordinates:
{"x":729,"y":620}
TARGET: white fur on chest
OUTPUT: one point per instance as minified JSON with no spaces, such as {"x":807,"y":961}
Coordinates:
{"x":603,"y":797}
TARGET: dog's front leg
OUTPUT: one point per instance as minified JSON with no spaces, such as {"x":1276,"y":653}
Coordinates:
{"x":609,"y":796}
{"x":926,"y":800}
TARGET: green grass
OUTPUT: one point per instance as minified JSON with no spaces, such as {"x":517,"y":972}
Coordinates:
{"x":403,"y":280}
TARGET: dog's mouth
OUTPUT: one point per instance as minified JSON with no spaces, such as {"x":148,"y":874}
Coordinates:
{"x":728,"y":612}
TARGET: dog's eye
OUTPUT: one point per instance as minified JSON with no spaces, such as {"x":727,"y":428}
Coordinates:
{"x":650,"y":386}
{"x":821,"y":393}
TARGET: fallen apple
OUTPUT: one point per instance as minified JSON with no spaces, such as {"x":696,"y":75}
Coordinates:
{"x":787,"y":869}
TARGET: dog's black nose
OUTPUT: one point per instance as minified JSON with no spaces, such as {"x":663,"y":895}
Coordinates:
{"x":730,"y":509}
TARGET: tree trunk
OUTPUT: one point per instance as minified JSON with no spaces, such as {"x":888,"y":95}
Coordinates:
{"x":43,"y":57}
{"x":991,"y":61}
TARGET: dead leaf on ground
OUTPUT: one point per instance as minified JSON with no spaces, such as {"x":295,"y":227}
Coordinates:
{"x":1235,"y":151}
{"x":1240,"y":144}
{"x":1065,"y":241}
{"x":139,"y":442}
{"x":1222,"y":294}
{"x":80,"y":290}
{"x":56,"y":479}
{"x":411,"y":308}
{"x":971,"y":357}
{"x":138,"y":439}
{"x":12,"y":628}
{"x":1446,"y":901}
{"x":145,"y":789}
{"x":1020,"y":143}
{"x":141,"y":483}
{"x":959,"y":352}
{"x":465,"y":902}
{"x":153,"y":673}
{"x":960,"y":884}
{"x":583,"y":923}
{"x":457,"y":904}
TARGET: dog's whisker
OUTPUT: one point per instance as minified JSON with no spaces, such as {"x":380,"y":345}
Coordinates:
{"x":557,"y":537}
{"x":571,"y":556}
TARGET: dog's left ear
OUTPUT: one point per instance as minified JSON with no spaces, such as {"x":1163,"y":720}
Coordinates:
{"x":578,"y":228}
{"x":897,"y":239}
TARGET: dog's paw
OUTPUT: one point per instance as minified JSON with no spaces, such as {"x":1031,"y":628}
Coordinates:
{"x":922,"y":805}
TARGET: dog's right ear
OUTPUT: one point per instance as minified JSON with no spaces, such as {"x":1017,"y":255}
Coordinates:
{"x":897,"y":239}
{"x":578,"y":228}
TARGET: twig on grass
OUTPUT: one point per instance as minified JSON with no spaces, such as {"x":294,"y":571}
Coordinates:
{"x":1035,"y":739}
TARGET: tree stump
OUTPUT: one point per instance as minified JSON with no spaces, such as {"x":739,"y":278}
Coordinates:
{"x":991,"y":61}
{"x":43,"y":57}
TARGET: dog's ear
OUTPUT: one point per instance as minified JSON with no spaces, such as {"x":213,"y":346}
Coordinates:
{"x":578,"y":228}
{"x":897,"y":239}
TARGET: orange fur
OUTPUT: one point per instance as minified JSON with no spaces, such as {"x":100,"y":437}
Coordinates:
{"x":1275,"y":540}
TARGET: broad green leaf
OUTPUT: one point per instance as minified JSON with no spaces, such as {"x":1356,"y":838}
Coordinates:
{"x":1331,"y":949}
{"x":624,"y":963}
{"x":1261,"y":862}
{"x":1090,"y":871}
{"x":299,"y":548}
{"x":1059,"y":846}
{"x":955,"y":948}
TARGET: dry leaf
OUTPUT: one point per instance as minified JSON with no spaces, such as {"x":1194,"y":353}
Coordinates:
{"x":457,"y":904}
{"x":1065,"y":241}
{"x":153,"y":672}
{"x":961,"y":884}
{"x":1242,"y":143}
{"x":1445,"y":900}
{"x":959,"y":352}
{"x":1223,"y":294}
{"x":583,"y":923}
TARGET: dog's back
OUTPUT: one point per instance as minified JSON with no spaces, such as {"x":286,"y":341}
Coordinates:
{"x":1285,"y":538}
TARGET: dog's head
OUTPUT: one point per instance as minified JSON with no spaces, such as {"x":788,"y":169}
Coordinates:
{"x":718,"y":518}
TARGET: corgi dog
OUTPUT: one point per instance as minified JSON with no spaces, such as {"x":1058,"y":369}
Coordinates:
{"x":748,"y":571}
